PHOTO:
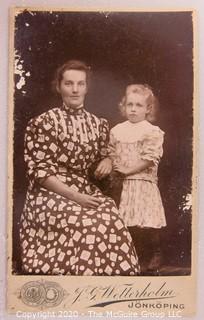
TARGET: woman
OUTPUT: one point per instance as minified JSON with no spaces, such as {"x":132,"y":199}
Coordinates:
{"x":68,"y":226}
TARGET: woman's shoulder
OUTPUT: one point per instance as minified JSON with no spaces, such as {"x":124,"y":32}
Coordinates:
{"x":100,"y":120}
{"x":47,"y":116}
{"x":44,"y":121}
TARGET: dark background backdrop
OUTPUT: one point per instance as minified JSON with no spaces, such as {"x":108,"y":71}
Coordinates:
{"x":121,"y":47}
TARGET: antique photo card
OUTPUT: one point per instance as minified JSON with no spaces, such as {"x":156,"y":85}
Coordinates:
{"x":96,"y":240}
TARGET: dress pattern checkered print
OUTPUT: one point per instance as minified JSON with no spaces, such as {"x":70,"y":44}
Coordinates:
{"x":58,"y":236}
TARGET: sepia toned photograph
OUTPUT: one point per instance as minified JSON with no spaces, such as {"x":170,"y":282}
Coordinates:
{"x":102,"y":159}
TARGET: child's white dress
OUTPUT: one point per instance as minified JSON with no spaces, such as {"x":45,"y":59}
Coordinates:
{"x":140,"y":203}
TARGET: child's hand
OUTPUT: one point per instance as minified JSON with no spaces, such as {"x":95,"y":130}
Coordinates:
{"x":122,"y":169}
{"x":104,"y":168}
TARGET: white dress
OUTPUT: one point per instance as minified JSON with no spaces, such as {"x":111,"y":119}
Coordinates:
{"x":140,"y":203}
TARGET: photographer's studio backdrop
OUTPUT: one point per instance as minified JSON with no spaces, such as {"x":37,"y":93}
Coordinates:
{"x":122,"y":48}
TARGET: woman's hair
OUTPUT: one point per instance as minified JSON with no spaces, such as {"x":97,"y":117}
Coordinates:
{"x":144,"y":90}
{"x":70,"y":65}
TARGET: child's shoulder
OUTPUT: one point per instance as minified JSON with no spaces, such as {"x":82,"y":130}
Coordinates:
{"x":120,"y":125}
{"x":152,"y":130}
{"x":151,"y":127}
{"x":128,"y":132}
{"x":119,"y":128}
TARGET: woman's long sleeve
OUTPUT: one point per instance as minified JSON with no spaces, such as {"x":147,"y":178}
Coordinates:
{"x":103,"y":138}
{"x":41,"y":148}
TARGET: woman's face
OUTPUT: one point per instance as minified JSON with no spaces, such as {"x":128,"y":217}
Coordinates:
{"x":73,"y":88}
{"x":136,"y":107}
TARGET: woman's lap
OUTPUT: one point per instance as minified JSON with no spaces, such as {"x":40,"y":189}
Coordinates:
{"x":59,"y":236}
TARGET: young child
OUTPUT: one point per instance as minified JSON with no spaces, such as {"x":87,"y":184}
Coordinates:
{"x":136,"y":149}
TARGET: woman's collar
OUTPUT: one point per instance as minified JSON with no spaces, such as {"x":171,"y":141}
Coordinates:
{"x":76,"y":110}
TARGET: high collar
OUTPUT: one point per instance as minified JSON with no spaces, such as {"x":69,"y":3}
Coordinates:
{"x":139,"y":124}
{"x":75,"y":111}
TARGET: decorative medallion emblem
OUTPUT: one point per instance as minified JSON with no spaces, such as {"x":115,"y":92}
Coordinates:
{"x":42,"y":293}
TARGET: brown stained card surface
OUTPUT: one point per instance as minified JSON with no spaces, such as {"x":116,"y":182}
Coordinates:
{"x":103,"y":221}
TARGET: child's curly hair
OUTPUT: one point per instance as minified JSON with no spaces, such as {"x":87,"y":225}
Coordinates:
{"x":146,"y":90}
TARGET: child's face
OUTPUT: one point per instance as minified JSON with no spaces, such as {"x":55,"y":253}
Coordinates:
{"x":136,"y":107}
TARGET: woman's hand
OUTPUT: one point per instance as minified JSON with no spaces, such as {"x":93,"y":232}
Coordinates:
{"x":86,"y":200}
{"x":103,"y":169}
{"x":54,"y":184}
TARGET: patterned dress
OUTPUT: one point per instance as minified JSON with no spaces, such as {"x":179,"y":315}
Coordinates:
{"x":140,"y":203}
{"x":58,"y":236}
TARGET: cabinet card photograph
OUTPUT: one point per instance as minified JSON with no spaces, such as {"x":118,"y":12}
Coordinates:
{"x":102,"y":162}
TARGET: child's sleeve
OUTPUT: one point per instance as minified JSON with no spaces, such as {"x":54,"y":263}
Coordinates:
{"x":152,"y":145}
